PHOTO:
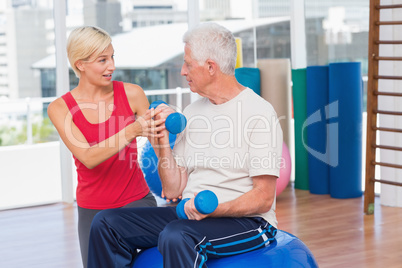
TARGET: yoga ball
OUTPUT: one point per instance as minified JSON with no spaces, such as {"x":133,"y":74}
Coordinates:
{"x":286,"y":251}
{"x":286,"y":168}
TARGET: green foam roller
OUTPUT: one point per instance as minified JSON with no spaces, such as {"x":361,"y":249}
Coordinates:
{"x":300,"y":116}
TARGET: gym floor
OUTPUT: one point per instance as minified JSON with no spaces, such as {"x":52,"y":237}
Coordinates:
{"x":337,"y":232}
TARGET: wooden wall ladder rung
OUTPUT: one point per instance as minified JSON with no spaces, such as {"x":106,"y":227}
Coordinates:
{"x":373,"y":92}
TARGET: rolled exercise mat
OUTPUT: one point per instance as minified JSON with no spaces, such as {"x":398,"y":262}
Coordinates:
{"x":345,"y":130}
{"x":300,"y":115}
{"x":316,"y":125}
{"x":239,"y":49}
{"x":249,"y":77}
{"x":276,"y":89}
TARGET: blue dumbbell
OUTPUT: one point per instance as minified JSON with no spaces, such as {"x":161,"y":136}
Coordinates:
{"x":205,"y":202}
{"x":175,"y":122}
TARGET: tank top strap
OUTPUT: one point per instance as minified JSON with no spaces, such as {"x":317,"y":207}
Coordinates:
{"x":73,"y":106}
{"x":121,"y":101}
{"x":69,"y":100}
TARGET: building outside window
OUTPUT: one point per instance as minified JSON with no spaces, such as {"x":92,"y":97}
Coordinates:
{"x":335,"y":31}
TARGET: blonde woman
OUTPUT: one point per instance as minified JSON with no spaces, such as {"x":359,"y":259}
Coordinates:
{"x":99,"y":121}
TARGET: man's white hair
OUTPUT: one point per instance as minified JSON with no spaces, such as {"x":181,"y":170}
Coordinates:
{"x":212,"y":41}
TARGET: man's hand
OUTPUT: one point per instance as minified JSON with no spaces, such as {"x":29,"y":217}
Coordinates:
{"x":192,"y":212}
{"x":162,"y":139}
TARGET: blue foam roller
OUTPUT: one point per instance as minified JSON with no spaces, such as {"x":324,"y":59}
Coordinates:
{"x":316,"y":126}
{"x":345,"y":122}
{"x":286,"y":251}
{"x":249,"y":77}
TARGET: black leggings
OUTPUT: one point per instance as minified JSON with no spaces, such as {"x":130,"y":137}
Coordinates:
{"x":85,"y":217}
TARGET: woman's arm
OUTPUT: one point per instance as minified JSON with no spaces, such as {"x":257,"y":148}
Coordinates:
{"x":139,"y":105}
{"x":91,"y":156}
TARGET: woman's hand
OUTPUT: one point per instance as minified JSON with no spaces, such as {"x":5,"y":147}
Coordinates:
{"x":148,"y":126}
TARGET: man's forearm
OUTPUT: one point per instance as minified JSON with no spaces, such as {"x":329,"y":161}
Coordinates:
{"x":172,"y":176}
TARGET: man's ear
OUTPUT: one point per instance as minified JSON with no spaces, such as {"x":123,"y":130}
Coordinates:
{"x":212,"y":66}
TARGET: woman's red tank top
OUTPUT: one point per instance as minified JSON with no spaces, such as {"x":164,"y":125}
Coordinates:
{"x":118,"y":180}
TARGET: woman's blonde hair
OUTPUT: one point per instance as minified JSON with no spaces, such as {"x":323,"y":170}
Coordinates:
{"x":84,"y":42}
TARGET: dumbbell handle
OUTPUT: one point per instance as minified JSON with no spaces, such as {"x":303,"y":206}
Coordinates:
{"x":175,"y":122}
{"x":205,"y":202}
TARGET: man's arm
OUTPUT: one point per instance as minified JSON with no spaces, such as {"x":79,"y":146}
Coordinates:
{"x":258,"y":200}
{"x":173,"y":177}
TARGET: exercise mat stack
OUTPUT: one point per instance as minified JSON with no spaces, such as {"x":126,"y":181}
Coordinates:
{"x":328,"y":129}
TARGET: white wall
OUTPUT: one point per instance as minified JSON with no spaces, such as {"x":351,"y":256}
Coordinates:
{"x":29,"y":175}
{"x":390,"y":195}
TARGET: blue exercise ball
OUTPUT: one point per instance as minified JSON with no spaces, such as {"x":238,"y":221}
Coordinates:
{"x":286,"y":251}
{"x":149,"y":166}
